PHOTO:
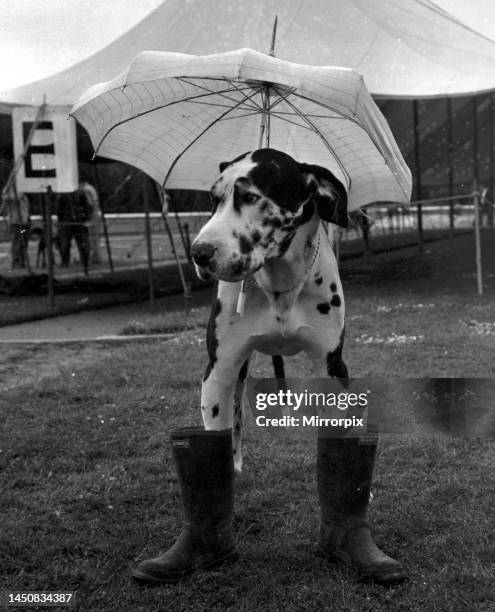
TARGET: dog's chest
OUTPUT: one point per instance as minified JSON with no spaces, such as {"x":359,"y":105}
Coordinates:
{"x":275,"y":331}
{"x":285,"y":328}
{"x":279,"y":342}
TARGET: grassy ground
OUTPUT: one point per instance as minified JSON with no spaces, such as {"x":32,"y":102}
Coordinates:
{"x":88,"y":486}
{"x":79,"y":294}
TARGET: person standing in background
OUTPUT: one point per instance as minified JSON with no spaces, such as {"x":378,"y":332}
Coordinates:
{"x":94,"y":226}
{"x":74,"y":213}
{"x":16,"y":207}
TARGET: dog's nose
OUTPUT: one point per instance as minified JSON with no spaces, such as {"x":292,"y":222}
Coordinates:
{"x":202,"y":253}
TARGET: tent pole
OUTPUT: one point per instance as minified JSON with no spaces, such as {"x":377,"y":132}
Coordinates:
{"x":450,"y":145}
{"x":417,"y":168}
{"x":476,"y":177}
{"x":103,"y":217}
{"x":179,"y":226}
{"x":477,"y":236}
{"x":492,"y":144}
{"x":475,"y":140}
{"x":25,"y":239}
{"x":185,"y":285}
{"x":149,"y":253}
{"x":48,"y":205}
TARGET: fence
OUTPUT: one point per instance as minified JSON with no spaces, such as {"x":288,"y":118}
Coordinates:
{"x":381,"y":225}
{"x":126,"y":237}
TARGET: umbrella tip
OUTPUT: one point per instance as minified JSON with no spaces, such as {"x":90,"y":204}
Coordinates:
{"x":274,"y":34}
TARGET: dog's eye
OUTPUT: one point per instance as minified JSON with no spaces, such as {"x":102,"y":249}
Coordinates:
{"x":250,"y":197}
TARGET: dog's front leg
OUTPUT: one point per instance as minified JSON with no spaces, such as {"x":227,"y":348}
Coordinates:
{"x":224,"y":378}
{"x":217,"y":397}
{"x":221,"y":395}
{"x":239,"y":400}
{"x":327,"y":360}
{"x":345,"y":465}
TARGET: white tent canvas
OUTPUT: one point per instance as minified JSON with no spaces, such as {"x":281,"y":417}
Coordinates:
{"x":403,"y":48}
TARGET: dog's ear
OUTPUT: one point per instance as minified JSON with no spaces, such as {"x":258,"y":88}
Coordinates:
{"x":226,"y":164}
{"x":330,"y":195}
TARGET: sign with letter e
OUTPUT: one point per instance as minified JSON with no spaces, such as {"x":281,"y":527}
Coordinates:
{"x":50,"y":160}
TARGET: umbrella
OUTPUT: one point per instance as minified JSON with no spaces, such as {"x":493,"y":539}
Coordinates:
{"x":176,"y":116}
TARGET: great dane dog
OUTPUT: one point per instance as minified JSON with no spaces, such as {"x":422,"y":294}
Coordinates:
{"x":266,"y":228}
{"x":279,"y":293}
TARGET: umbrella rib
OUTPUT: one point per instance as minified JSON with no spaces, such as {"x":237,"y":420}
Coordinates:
{"x":281,"y":98}
{"x":208,"y":127}
{"x":193,"y":98}
{"x":284,"y":97}
{"x":241,"y":91}
{"x":241,"y":116}
{"x":325,"y":141}
{"x":313,"y":116}
{"x":218,"y":105}
{"x":330,"y":108}
{"x":299,"y":125}
{"x":342,"y":116}
{"x":220,"y":93}
{"x":387,"y":159}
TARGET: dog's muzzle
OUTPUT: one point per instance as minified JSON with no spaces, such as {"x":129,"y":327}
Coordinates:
{"x":203,"y":253}
{"x":211,"y":260}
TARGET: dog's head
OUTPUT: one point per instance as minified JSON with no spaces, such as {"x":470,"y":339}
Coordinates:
{"x":259,"y":201}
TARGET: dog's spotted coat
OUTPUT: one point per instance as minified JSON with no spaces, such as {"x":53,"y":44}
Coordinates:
{"x":266,"y":225}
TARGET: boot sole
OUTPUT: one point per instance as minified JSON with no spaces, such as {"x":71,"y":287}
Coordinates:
{"x":141,"y":576}
{"x":387,"y":577}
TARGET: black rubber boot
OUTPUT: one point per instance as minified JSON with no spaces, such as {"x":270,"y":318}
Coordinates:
{"x":206,"y":474}
{"x":345,"y":470}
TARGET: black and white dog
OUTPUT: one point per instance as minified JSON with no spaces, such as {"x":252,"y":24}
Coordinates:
{"x":266,"y":230}
{"x":279,"y":293}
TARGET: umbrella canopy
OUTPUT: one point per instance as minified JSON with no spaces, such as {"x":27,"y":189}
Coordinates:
{"x":176,"y":116}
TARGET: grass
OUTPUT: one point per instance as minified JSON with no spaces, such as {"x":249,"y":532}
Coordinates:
{"x":80,"y":294}
{"x":88,"y":485}
{"x":168,"y":322}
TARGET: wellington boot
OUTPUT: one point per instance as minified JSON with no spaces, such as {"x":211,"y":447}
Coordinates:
{"x":345,"y":470}
{"x":206,"y":475}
